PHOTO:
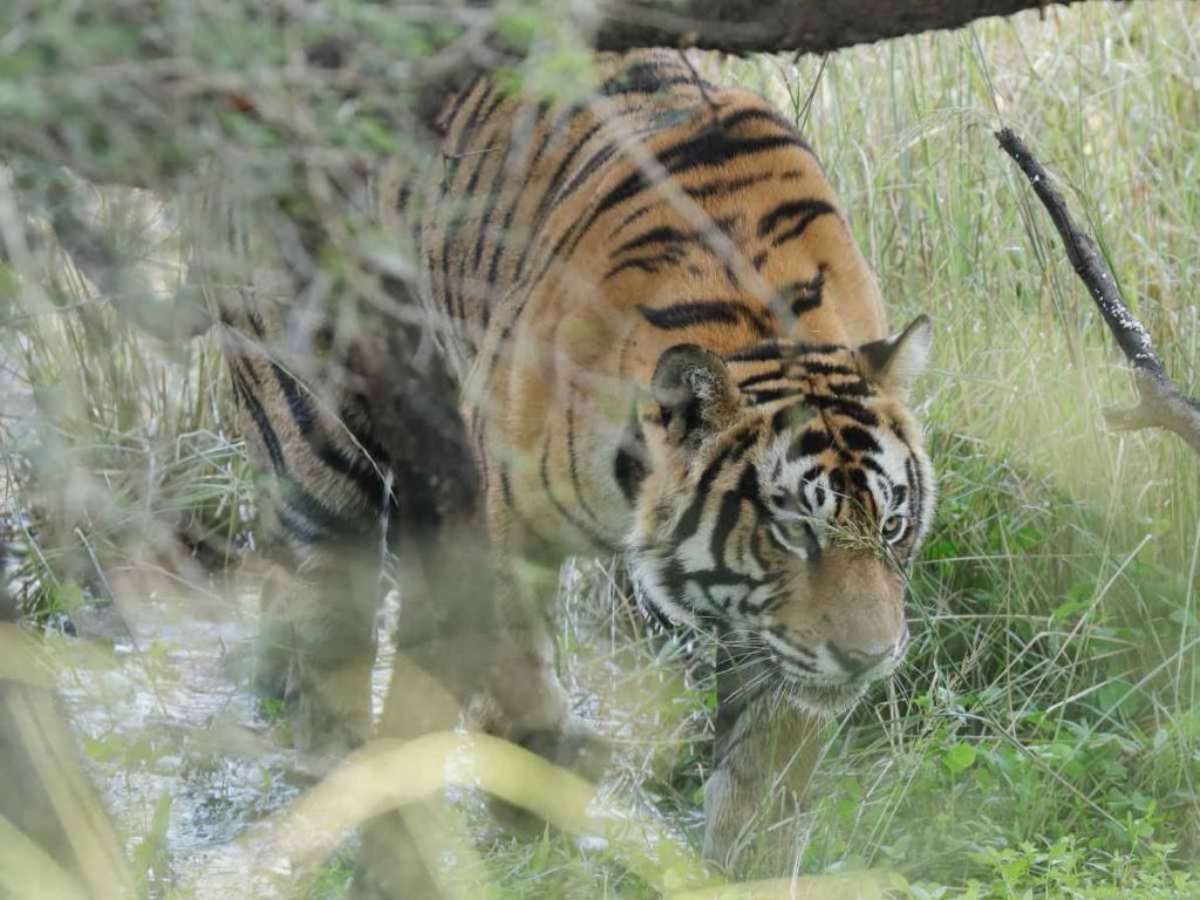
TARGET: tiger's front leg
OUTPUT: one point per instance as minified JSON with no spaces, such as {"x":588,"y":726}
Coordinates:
{"x":474,"y":650}
{"x":765,"y":752}
{"x":523,"y":699}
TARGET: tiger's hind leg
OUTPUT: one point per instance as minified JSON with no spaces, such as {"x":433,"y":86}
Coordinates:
{"x":316,"y":646}
{"x":272,"y":665}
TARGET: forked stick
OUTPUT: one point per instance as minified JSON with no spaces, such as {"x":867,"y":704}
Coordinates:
{"x":1161,"y":404}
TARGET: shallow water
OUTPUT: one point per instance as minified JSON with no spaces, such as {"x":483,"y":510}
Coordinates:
{"x":180,"y":750}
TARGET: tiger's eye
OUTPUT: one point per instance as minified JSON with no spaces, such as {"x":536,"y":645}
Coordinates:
{"x":893,"y":527}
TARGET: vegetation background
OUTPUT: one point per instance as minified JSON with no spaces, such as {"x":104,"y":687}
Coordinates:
{"x":1043,"y":737}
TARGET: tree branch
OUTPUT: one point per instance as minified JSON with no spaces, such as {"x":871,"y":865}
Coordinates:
{"x":775,"y":26}
{"x":1161,"y":404}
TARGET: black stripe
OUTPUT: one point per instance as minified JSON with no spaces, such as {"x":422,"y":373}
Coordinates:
{"x":809,"y":443}
{"x":916,"y":503}
{"x":817,"y":367}
{"x":643,"y":78}
{"x":648,"y":264}
{"x":457,"y":103}
{"x":466,"y":132}
{"x":792,"y":653}
{"x":711,"y":147}
{"x":305,"y":419}
{"x":730,"y":511}
{"x":574,"y":468}
{"x":692,"y":313}
{"x":544,"y":205}
{"x":629,"y":464}
{"x":481,"y":234}
{"x":262,"y":423}
{"x":868,"y":462}
{"x":632,"y":217}
{"x":844,"y":407}
{"x":301,"y":531}
{"x":763,"y":396}
{"x":498,"y":181}
{"x":454,"y":223}
{"x":803,"y":210}
{"x":491,"y":110}
{"x":594,"y":537}
{"x":689,"y":522}
{"x":298,"y":499}
{"x":763,"y":114}
{"x":762,"y":377}
{"x":368,"y":480}
{"x":803,"y":296}
{"x":510,"y":213}
{"x":663,"y":234}
{"x":765,"y":352}
{"x":456,"y":216}
{"x":859,"y":439}
{"x":720,"y":187}
{"x":302,"y":413}
{"x":856,"y":388}
{"x":599,"y":158}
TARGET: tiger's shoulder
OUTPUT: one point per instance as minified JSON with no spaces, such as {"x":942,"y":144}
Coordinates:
{"x":655,"y":175}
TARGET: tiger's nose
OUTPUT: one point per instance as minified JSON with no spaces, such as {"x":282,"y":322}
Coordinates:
{"x":857,"y":660}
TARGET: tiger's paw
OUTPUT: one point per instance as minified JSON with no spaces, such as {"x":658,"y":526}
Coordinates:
{"x":570,"y":743}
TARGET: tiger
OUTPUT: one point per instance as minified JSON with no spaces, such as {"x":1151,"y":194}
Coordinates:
{"x":665,"y":345}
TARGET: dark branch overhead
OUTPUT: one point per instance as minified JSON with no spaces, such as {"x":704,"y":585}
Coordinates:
{"x":772,"y":26}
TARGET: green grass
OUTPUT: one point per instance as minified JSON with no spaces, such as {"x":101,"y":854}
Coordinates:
{"x":1043,"y":738}
{"x":1042,"y":735}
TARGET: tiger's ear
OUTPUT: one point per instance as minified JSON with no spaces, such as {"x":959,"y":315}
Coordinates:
{"x":694,"y":392}
{"x":895,"y":362}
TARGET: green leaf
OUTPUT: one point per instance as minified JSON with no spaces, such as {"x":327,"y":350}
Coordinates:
{"x":942,"y":549}
{"x":959,"y":758}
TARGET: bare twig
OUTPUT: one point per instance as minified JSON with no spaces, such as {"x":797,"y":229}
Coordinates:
{"x":1161,"y":404}
{"x":700,"y":83}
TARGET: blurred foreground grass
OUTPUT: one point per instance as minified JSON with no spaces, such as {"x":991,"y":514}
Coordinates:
{"x":1044,"y":735}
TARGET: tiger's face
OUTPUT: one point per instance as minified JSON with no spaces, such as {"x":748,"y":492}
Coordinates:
{"x":788,"y":492}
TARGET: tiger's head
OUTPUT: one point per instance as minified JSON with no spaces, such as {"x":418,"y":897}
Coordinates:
{"x":787,"y":493}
